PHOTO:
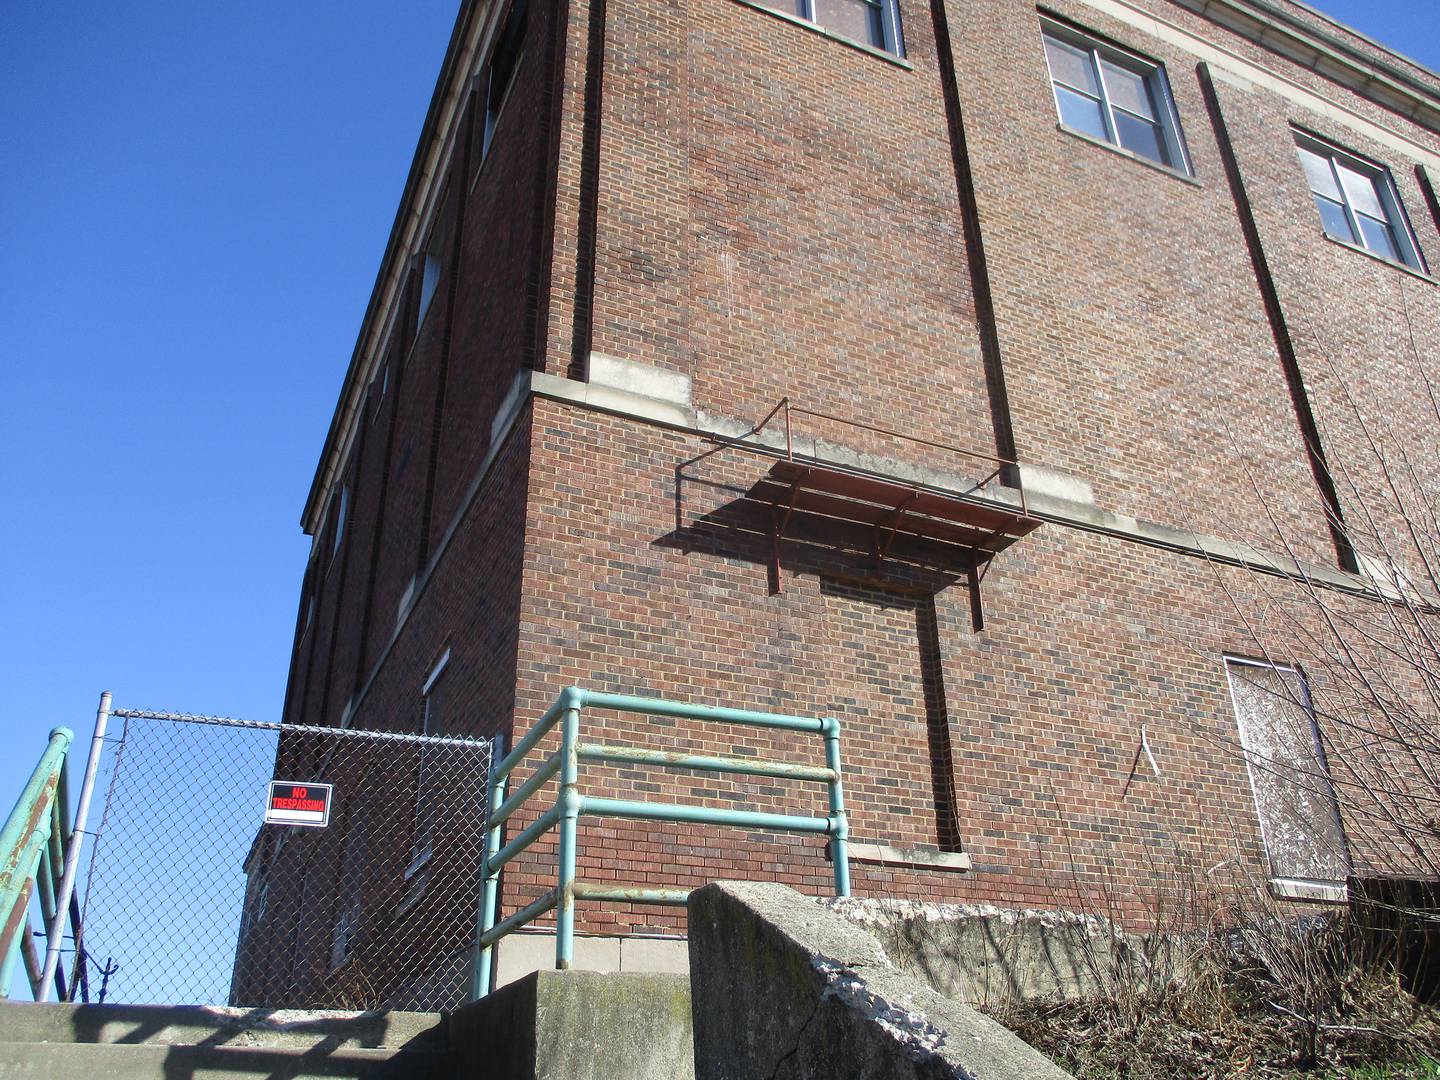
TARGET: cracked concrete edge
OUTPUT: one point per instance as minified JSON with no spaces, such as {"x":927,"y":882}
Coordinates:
{"x":919,"y":1032}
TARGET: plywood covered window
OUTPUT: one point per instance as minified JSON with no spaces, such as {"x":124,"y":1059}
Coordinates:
{"x":1299,"y":817}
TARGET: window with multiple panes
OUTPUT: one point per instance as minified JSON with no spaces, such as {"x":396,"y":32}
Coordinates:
{"x":870,"y":22}
{"x":1299,"y":817}
{"x":1357,"y":201}
{"x":1115,"y":96}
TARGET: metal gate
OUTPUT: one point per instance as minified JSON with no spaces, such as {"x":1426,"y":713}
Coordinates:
{"x":192,"y":897}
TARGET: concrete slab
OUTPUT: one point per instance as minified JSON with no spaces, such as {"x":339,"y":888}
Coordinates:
{"x":646,"y":380}
{"x":24,"y":1061}
{"x":178,"y":1025}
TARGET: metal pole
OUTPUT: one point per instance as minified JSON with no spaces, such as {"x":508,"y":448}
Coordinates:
{"x":482,"y":979}
{"x":569,"y":798}
{"x":840,"y":837}
{"x":72,"y":852}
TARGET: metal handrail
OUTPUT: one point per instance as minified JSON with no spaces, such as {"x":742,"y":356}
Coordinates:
{"x":32,"y":852}
{"x":1000,"y":463}
{"x":40,"y":848}
{"x":570,"y":805}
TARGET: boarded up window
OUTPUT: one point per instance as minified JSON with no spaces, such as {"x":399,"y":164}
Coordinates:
{"x":1298,"y":815}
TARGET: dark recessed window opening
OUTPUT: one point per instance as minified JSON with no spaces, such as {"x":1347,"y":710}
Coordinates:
{"x":501,"y":73}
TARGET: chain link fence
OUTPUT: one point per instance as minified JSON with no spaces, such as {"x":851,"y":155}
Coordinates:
{"x":191,"y":897}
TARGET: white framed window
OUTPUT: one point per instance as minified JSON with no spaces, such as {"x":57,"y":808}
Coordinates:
{"x":500,"y":73}
{"x":1115,"y":96}
{"x":1294,"y":796}
{"x":1357,"y":201}
{"x":871,"y":22}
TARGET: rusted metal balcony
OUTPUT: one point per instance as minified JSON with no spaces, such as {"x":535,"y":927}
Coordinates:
{"x":975,"y":523}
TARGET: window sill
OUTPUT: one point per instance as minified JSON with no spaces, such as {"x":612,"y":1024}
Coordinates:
{"x":1315,"y":892}
{"x":1178,"y":174}
{"x":881,"y":854}
{"x":1395,"y":263}
{"x":814,"y":28}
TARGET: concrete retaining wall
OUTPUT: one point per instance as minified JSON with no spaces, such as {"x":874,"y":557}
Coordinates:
{"x":785,"y":989}
{"x":984,"y":954}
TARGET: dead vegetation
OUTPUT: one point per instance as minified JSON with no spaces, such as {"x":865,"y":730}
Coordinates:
{"x":1249,"y":992}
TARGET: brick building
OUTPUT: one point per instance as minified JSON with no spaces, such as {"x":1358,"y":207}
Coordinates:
{"x":1155,"y":251}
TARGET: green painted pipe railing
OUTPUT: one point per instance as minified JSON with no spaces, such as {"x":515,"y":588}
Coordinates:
{"x":32,"y":853}
{"x":570,"y":805}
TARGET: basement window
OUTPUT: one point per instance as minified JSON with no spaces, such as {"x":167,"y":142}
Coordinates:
{"x":1295,"y":799}
{"x":1358,"y":202}
{"x":1117,"y":97}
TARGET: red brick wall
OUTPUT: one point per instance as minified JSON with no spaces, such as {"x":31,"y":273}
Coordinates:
{"x":1088,"y":640}
{"x":772,"y":212}
{"x":777,"y":212}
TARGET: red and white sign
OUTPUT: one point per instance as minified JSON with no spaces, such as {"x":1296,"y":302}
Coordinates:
{"x":298,"y":804}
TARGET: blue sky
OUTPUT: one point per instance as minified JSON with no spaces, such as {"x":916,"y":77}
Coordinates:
{"x":194,"y":199}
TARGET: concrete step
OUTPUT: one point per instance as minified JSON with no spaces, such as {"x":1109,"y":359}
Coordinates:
{"x":88,"y":1061}
{"x":185,"y":1025}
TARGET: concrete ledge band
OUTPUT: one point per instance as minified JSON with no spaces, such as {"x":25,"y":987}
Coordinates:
{"x":652,"y":395}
